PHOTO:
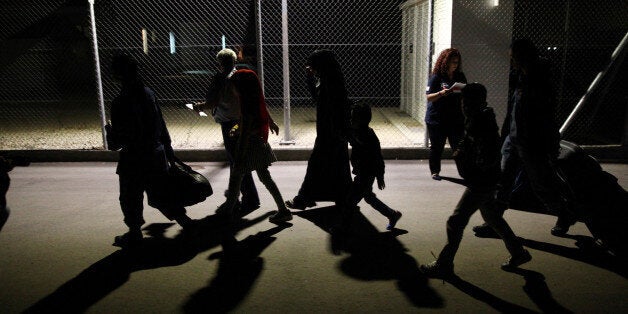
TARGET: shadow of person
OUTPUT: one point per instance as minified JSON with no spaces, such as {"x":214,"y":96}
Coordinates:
{"x":479,"y":294}
{"x":4,"y":215}
{"x":239,"y":267}
{"x":536,"y":288}
{"x":374,"y":255}
{"x":111,"y":272}
{"x":454,"y":180}
{"x":586,"y":251}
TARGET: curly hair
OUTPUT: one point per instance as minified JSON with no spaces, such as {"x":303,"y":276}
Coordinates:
{"x":442,"y":63}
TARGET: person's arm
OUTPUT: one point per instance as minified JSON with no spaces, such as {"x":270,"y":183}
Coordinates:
{"x":212,"y":97}
{"x":438,"y":95}
{"x":434,"y":89}
{"x":274,"y":128}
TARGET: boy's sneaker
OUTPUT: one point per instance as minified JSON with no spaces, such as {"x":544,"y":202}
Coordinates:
{"x":436,"y":176}
{"x":280,"y":216}
{"x":392,"y":220}
{"x":129,"y":239}
{"x":517,"y":260}
{"x":437,"y":270}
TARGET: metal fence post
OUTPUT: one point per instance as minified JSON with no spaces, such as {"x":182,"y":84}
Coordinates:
{"x":286,"y":74}
{"x":260,"y":49}
{"x":430,"y":45}
{"x":101,"y":100}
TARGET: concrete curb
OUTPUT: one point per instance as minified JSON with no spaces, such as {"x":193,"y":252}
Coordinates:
{"x":610,"y":154}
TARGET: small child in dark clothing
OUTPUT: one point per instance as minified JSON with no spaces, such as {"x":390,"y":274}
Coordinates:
{"x":368,"y":165}
{"x":478,"y":161}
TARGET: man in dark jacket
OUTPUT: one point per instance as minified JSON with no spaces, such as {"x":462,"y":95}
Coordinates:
{"x":139,"y":132}
{"x":532,"y":140}
{"x":477,"y":158}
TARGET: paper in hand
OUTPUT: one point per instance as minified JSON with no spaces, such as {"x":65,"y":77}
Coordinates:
{"x":457,"y":87}
{"x":200,"y":113}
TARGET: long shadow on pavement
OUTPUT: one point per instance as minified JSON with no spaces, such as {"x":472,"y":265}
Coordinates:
{"x":537,"y":290}
{"x":239,"y":267}
{"x":111,"y":272}
{"x":374,"y":255}
{"x":586,"y":252}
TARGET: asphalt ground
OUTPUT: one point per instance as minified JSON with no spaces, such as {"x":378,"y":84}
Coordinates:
{"x":56,"y":253}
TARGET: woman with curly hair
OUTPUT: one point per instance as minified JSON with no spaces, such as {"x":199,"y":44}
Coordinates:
{"x":444,"y":117}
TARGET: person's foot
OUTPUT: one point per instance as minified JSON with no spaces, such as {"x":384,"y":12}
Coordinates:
{"x":437,"y":270}
{"x":485,"y":231}
{"x":280,"y":216}
{"x":517,"y":260}
{"x":562,"y":225}
{"x":224,"y":210}
{"x":436,"y":176}
{"x":247,"y":208}
{"x":299,"y":203}
{"x":129,"y":239}
{"x":392,"y":220}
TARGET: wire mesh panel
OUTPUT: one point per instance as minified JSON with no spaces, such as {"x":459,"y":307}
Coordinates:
{"x":175,"y":44}
{"x":47,"y":98}
{"x":365,"y":36}
{"x":48,"y":92}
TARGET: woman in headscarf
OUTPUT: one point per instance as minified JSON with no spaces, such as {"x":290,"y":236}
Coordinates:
{"x":328,"y":175}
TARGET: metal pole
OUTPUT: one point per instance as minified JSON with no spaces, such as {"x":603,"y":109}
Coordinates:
{"x":286,"y":74}
{"x":619,"y":51}
{"x":430,"y":47}
{"x":260,"y":51}
{"x":101,"y":100}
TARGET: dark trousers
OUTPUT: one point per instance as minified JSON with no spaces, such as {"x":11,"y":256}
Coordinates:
{"x":362,"y":188}
{"x":541,"y":172}
{"x":247,"y":187}
{"x":438,"y":133}
{"x":4,"y":187}
{"x":470,"y":202}
{"x":132,"y":189}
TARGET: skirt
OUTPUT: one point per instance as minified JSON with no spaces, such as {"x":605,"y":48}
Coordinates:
{"x":258,"y":156}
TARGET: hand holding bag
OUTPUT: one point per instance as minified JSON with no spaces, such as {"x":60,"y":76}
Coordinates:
{"x":180,"y":187}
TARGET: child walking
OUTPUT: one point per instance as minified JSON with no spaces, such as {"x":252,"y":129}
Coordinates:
{"x":368,"y":165}
{"x":478,"y":161}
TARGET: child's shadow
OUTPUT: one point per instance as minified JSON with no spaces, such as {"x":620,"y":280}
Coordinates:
{"x":374,"y":255}
{"x":536,"y":288}
{"x":111,"y":272}
{"x":586,"y":251}
{"x":239,"y":267}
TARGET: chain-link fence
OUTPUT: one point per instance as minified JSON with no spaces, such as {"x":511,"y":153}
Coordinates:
{"x":48,"y":90}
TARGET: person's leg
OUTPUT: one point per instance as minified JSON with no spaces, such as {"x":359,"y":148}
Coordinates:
{"x":312,"y":179}
{"x":283,"y":214}
{"x":511,"y":166}
{"x":132,"y":204}
{"x":230,"y":143}
{"x":350,"y":206}
{"x":437,"y":144}
{"x":371,"y":199}
{"x":233,"y":190}
{"x":443,"y":266}
{"x":546,"y":184}
{"x":468,"y":204}
{"x":496,"y":220}
{"x":250,"y":198}
{"x":5,"y":181}
{"x":454,"y":136}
